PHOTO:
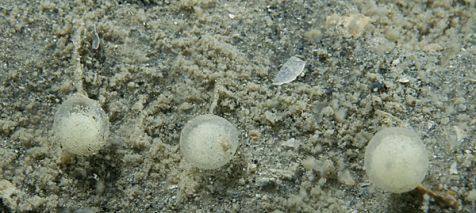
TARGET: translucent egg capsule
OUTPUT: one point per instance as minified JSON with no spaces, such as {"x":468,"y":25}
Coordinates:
{"x":396,"y":160}
{"x":81,"y":125}
{"x":209,"y":141}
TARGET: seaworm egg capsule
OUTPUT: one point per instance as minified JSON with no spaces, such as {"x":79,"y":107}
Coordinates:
{"x":396,"y":160}
{"x":81,"y":125}
{"x":208,"y":141}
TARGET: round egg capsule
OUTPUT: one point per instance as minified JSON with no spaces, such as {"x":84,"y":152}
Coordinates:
{"x":81,"y":126}
{"x":396,"y":160}
{"x":208,"y":141}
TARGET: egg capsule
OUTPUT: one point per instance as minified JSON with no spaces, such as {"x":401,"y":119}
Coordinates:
{"x":81,"y":125}
{"x":208,"y":141}
{"x":396,"y":160}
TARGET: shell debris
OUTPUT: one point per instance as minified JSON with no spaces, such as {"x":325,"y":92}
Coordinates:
{"x":289,"y":71}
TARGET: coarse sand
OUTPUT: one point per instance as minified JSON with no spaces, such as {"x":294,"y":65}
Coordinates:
{"x":153,"y":65}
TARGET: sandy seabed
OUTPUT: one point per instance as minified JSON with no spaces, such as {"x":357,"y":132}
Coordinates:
{"x":153,"y":65}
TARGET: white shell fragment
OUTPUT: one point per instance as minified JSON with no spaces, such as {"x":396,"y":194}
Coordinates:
{"x":404,"y":80}
{"x":289,"y":71}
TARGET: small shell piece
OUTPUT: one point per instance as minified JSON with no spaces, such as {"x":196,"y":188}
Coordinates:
{"x":289,"y":71}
